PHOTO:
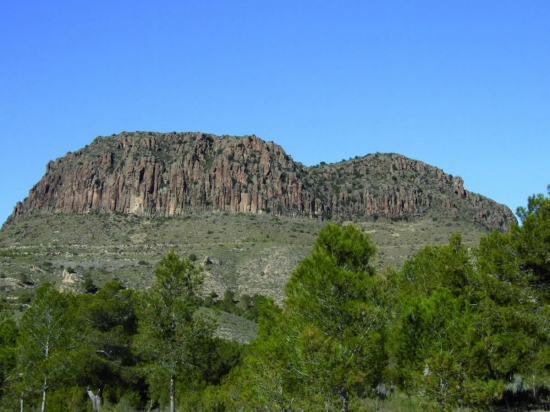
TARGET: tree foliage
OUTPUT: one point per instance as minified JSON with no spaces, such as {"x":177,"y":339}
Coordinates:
{"x":170,"y":339}
{"x":326,"y":344}
{"x":8,"y":339}
{"x":46,"y":343}
{"x":469,"y":323}
{"x":531,"y":240}
{"x":110,"y":321}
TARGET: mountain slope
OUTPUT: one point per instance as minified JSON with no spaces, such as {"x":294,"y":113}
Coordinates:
{"x":160,"y":175}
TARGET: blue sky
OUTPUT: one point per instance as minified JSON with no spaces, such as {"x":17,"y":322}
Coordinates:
{"x":462,"y":85}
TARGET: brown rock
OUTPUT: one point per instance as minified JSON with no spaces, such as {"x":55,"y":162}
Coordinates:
{"x":154,"y":174}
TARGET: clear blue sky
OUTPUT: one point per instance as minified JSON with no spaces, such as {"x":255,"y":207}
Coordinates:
{"x":462,"y":85}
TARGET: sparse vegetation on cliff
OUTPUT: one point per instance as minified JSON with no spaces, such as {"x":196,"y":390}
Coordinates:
{"x":172,"y":174}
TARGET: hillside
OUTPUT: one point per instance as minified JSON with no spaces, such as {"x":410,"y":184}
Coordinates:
{"x":248,"y":253}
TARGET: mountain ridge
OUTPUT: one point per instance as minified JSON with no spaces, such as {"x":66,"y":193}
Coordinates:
{"x":171,"y":174}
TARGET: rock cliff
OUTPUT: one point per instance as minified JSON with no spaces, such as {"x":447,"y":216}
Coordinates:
{"x":155,"y":174}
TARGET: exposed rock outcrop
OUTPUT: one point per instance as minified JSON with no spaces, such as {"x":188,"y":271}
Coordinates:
{"x":154,"y":174}
{"x":69,"y":281}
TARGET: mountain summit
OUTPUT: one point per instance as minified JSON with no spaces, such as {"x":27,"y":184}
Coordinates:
{"x":170,"y":174}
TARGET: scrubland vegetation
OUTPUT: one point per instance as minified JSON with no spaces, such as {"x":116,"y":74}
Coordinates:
{"x":454,"y":328}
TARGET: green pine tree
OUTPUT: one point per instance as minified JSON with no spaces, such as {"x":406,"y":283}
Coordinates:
{"x":467,"y":324}
{"x":46,"y":343}
{"x":532,"y":239}
{"x":8,"y":337}
{"x":327,"y":343}
{"x":170,"y":339}
{"x":109,"y":321}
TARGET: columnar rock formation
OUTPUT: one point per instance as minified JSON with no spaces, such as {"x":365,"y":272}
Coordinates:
{"x":154,"y":174}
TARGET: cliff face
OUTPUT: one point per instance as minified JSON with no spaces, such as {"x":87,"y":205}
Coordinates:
{"x":153,"y":174}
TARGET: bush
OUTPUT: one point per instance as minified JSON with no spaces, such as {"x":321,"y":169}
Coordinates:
{"x":25,"y":297}
{"x":24,"y":278}
{"x":89,"y":285}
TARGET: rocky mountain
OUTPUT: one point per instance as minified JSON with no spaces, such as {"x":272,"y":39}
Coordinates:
{"x":160,"y":175}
